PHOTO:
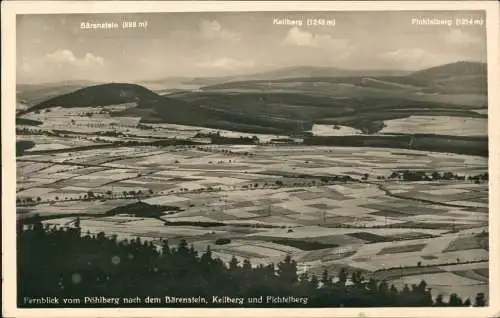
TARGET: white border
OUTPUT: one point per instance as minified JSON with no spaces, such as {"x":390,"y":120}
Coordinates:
{"x":10,"y":9}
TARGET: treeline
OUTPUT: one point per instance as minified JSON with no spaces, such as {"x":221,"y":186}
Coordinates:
{"x":216,"y":138}
{"x":62,"y":262}
{"x":464,"y":145}
{"x":412,"y":175}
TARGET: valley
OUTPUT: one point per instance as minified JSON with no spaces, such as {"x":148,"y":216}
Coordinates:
{"x":260,"y":169}
{"x":272,"y":200}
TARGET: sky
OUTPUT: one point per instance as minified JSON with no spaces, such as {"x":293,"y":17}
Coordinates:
{"x":53,"y":48}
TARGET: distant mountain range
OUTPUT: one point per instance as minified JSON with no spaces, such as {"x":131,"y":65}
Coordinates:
{"x":454,"y":78}
{"x":461,"y":67}
{"x":457,"y":77}
{"x":287,"y":100}
{"x":295,"y":72}
{"x":33,"y":94}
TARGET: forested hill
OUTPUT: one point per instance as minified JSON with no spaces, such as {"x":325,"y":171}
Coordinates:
{"x":99,"y":95}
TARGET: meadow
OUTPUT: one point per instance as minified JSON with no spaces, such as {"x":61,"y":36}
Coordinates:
{"x":264,"y":202}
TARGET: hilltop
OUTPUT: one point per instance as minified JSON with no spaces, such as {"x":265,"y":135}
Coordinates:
{"x":452,"y":69}
{"x":297,"y":72}
{"x":456,"y":77}
{"x":277,"y":74}
{"x":98,"y":95}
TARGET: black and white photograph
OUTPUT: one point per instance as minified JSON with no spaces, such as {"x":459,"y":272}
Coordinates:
{"x":251,"y":159}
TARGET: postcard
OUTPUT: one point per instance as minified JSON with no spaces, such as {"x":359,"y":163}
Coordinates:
{"x":249,"y":159}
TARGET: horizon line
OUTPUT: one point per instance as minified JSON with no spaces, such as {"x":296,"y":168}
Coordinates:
{"x":136,"y":81}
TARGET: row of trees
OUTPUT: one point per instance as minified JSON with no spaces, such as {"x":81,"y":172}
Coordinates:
{"x":409,"y":175}
{"x":28,"y":131}
{"x":138,"y":194}
{"x":90,"y":196}
{"x":63,"y":262}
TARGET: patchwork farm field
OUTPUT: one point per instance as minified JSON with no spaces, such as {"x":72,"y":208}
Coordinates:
{"x":264,"y":202}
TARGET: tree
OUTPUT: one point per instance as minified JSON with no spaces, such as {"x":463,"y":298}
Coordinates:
{"x":206,"y":258}
{"x":165,"y":248}
{"x":343,"y":276}
{"x":455,"y":300}
{"x":422,"y":286}
{"x":233,"y":264}
{"x":314,"y":282}
{"x":37,"y":224}
{"x":383,"y":287}
{"x":394,"y":175}
{"x":304,"y":279}
{"x":247,"y":266}
{"x":448,"y":176}
{"x":356,"y":278}
{"x":182,"y":248}
{"x":439,"y":300}
{"x":325,"y":279}
{"x":372,"y":285}
{"x":467,"y":303}
{"x":436,"y":175}
{"x":406,"y":290}
{"x":77,"y":225}
{"x":480,"y":300}
{"x":287,"y":270}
